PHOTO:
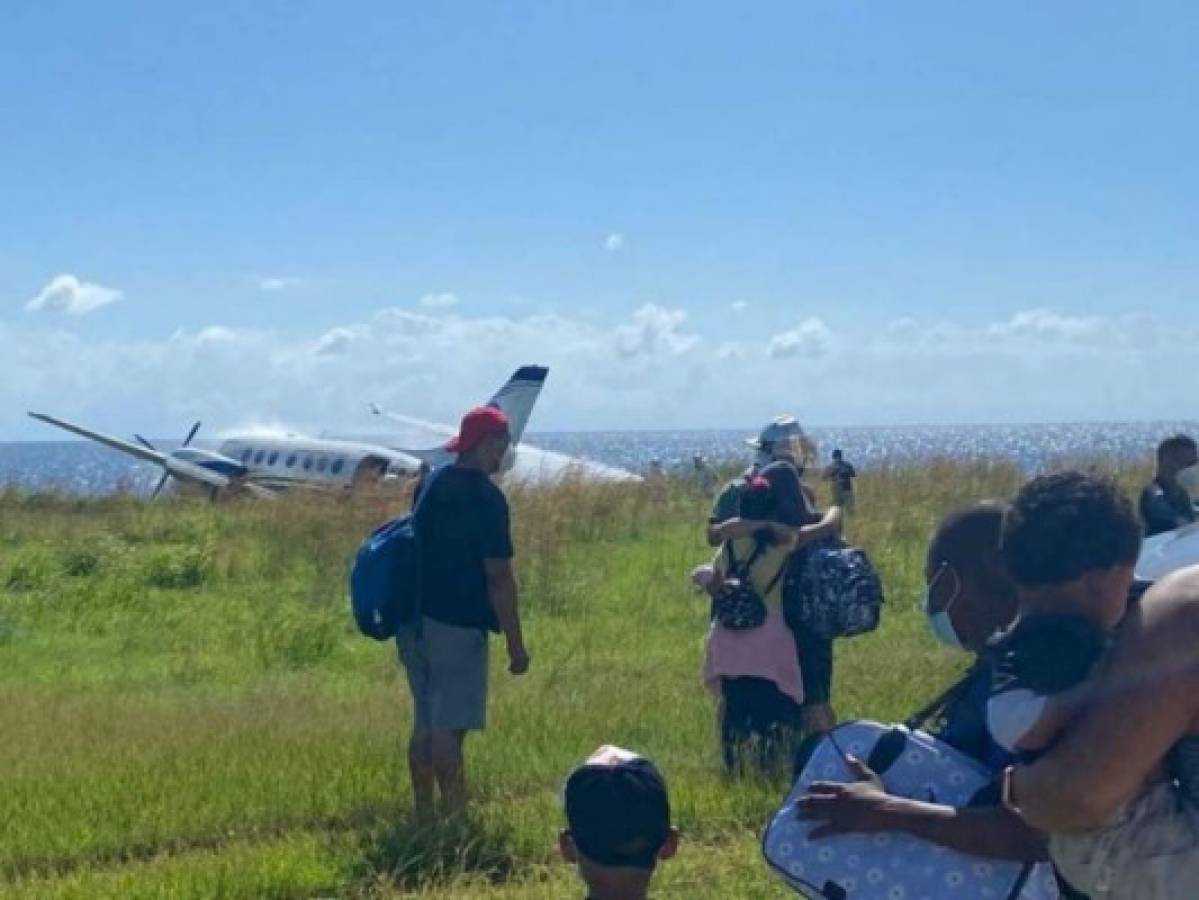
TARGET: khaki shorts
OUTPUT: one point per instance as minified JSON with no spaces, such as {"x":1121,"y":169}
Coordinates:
{"x":1150,"y":850}
{"x":447,"y":674}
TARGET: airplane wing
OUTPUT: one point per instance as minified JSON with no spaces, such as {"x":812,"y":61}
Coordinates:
{"x":260,"y":491}
{"x":425,"y":439}
{"x":414,"y":436}
{"x":181,"y":469}
{"x":186,"y":471}
{"x":132,"y":449}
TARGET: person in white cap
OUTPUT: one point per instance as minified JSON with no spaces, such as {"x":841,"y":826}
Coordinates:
{"x":783,"y":439}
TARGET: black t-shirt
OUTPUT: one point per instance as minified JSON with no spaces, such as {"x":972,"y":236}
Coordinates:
{"x":842,"y":475}
{"x":461,"y":520}
{"x":1165,"y":507}
{"x":963,"y":722}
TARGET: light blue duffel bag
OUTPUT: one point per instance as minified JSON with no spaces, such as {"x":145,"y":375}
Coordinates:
{"x":891,"y":865}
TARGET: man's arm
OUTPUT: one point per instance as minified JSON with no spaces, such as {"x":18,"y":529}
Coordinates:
{"x":501,"y":592}
{"x":723,"y":510}
{"x":865,"y":807}
{"x":1146,"y":699}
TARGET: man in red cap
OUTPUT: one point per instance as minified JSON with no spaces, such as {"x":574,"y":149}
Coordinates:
{"x":467,"y":589}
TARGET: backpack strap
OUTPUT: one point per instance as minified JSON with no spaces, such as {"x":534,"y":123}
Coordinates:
{"x":737,"y":569}
{"x":775,"y":580}
{"x":941,"y":702}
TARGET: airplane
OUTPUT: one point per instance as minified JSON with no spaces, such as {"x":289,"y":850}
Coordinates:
{"x":263,"y":465}
{"x":524,"y":463}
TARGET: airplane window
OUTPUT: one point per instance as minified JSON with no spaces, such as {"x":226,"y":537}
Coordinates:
{"x":338,"y":465}
{"x":291,"y":461}
{"x":246,"y":454}
{"x":258,"y":457}
{"x":307,"y":462}
{"x":272,"y":459}
{"x":322,"y":463}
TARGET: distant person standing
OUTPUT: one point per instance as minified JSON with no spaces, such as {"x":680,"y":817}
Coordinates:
{"x":840,"y":475}
{"x":1165,"y":502}
{"x":467,"y":589}
{"x":706,"y":479}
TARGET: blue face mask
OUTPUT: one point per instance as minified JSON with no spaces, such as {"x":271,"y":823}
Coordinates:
{"x":939,"y":622}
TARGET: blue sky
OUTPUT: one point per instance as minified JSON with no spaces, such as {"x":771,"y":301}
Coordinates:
{"x":883,"y":212}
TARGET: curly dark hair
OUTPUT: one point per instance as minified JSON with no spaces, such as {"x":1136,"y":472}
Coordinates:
{"x":1063,"y":525}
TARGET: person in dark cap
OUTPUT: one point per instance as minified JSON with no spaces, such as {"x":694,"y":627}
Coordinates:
{"x":618,"y":824}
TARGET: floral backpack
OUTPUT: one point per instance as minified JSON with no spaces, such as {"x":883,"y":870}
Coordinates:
{"x":737,"y":605}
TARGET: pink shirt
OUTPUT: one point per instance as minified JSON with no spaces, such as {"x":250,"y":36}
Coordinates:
{"x":764,"y":652}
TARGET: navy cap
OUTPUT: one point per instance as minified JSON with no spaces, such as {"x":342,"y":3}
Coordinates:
{"x":617,"y":809}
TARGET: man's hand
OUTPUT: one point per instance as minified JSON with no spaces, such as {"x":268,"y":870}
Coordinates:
{"x":861,"y":806}
{"x":518,"y":659}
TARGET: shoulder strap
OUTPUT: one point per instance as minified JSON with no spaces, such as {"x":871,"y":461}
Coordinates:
{"x":736,"y":568}
{"x":942,"y":701}
{"x":775,"y":580}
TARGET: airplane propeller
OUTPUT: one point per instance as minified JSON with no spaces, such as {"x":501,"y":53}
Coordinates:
{"x":167,"y":473}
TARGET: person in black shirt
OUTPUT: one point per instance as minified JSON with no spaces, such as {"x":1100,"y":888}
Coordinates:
{"x":841,"y":474}
{"x":467,"y":589}
{"x":1165,"y":503}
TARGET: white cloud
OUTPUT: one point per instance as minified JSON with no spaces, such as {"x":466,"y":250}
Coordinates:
{"x":811,"y":339}
{"x":739,"y":306}
{"x":334,"y":342}
{"x":444,"y":300}
{"x":214,"y":334}
{"x":654,"y":331}
{"x":1046,"y":325}
{"x":281,"y":283}
{"x":66,"y":293}
{"x":651,"y":369}
{"x":614,"y":242}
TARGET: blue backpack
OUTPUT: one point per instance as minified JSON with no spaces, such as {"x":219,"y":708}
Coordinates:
{"x":385,"y":578}
{"x":384,"y":582}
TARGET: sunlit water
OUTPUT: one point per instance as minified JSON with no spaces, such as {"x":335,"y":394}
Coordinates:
{"x":85,"y":468}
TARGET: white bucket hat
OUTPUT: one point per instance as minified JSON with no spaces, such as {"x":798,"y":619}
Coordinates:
{"x":784,"y":432}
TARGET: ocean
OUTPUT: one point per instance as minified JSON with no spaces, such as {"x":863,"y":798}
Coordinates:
{"x":81,"y":467}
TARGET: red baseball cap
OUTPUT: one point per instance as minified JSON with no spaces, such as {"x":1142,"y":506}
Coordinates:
{"x":479,"y":423}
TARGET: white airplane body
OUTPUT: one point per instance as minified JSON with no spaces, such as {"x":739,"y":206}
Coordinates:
{"x":525,"y":463}
{"x":263,"y":465}
{"x":1168,"y":552}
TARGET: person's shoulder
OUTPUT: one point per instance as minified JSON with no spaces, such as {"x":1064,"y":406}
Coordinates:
{"x":1047,"y":654}
{"x":1153,"y":490}
{"x":733,"y":485}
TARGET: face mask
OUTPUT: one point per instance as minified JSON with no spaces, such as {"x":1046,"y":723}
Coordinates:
{"x":1188,"y":478}
{"x":939,"y":622}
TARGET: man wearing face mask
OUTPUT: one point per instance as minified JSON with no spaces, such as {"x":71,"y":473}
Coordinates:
{"x":969,"y":597}
{"x":1167,"y":502}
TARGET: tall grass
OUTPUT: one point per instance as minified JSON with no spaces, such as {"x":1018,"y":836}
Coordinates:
{"x":186,"y":710}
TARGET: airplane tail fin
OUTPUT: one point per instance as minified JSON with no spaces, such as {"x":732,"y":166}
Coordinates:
{"x":518,"y":396}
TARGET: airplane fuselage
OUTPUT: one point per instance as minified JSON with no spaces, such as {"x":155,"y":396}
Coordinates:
{"x":293,"y":461}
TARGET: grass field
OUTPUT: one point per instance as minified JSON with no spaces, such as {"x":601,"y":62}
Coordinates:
{"x":187,"y":711}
